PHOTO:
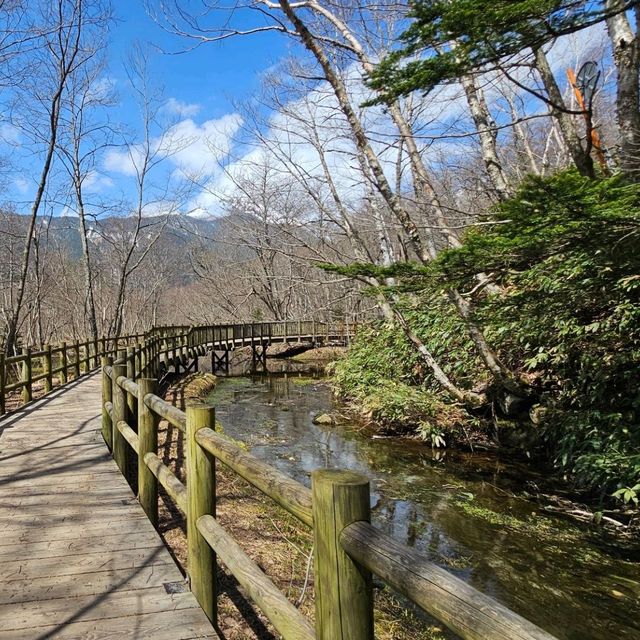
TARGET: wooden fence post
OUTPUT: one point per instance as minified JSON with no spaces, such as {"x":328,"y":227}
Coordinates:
{"x":27,"y":374}
{"x":107,"y":396}
{"x":3,"y":378}
{"x":343,"y":590}
{"x":48,"y":366}
{"x":138,"y":361}
{"x":132,"y":402}
{"x":63,"y":363}
{"x":144,"y":360}
{"x":147,"y":443}
{"x":76,"y":364}
{"x":201,"y":487}
{"x":119,"y":444}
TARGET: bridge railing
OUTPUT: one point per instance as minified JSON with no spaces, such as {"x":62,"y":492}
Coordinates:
{"x":57,"y":365}
{"x":54,"y":366}
{"x":347,"y":548}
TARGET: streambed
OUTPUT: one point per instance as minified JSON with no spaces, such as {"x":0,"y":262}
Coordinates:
{"x":460,"y":509}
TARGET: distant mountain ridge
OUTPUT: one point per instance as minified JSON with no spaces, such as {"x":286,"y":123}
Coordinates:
{"x":65,"y":231}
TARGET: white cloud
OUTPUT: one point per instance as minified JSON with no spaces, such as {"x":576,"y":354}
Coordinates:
{"x":97,"y":182}
{"x":67,"y":212}
{"x":21,"y":185}
{"x":160,"y":208}
{"x":9,"y":134}
{"x":123,"y":161}
{"x":181,"y":109}
{"x":198,"y":149}
{"x":193,"y":149}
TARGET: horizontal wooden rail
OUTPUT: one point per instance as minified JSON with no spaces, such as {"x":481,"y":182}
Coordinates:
{"x":293,"y":496}
{"x":128,"y":434}
{"x":466,"y":611}
{"x":176,"y":490}
{"x":286,"y":619}
{"x":165,"y":410}
{"x":129,"y":386}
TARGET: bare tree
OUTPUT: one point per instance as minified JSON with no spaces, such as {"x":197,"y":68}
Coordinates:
{"x":64,"y":46}
{"x":83,"y":137}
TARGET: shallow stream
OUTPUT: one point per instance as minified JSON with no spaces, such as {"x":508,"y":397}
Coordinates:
{"x":459,"y":509}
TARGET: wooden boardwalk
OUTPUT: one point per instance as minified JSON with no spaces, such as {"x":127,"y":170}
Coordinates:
{"x":78,"y":557}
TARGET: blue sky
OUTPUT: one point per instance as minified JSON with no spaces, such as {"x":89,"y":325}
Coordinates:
{"x":211,"y":75}
{"x":202,"y":84}
{"x":201,"y":89}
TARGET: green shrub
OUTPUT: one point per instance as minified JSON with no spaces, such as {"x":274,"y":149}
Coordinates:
{"x":565,"y":255}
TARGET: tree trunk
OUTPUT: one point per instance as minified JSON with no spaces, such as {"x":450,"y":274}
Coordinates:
{"x":383,"y":186}
{"x":626,"y":54}
{"x":486,"y":128}
{"x":566,"y":124}
{"x":12,"y":328}
{"x":90,"y":305}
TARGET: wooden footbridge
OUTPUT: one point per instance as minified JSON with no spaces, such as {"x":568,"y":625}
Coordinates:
{"x":79,"y":553}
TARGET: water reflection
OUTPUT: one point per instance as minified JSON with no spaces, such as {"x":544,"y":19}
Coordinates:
{"x":456,"y":508}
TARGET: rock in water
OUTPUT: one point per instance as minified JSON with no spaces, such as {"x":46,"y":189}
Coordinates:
{"x":323,"y":419}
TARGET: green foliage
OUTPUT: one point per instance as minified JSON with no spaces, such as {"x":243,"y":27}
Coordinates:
{"x":628,"y":494}
{"x":564,"y":255}
{"x":387,"y":380}
{"x":484,"y":32}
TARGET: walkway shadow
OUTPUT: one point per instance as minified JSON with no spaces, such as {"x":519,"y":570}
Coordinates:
{"x":9,"y":420}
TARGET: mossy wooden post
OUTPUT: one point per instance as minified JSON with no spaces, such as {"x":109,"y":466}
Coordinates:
{"x":177,"y":354}
{"x":48,"y":368}
{"x":132,"y":403}
{"x":138,"y":361}
{"x":107,"y":396}
{"x":143,"y":359}
{"x":27,"y":374}
{"x":63,"y":363}
{"x":76,"y":354}
{"x":147,"y":443}
{"x":119,"y":444}
{"x":343,"y":590}
{"x":201,"y":487}
{"x":152,"y":369}
{"x":156,"y":357}
{"x":3,"y":379}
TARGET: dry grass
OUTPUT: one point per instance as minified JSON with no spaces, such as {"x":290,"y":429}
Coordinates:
{"x":278,"y":543}
{"x":323,"y":354}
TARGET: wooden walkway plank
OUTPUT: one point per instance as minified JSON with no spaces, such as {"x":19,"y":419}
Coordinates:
{"x":95,"y":583}
{"x":78,"y":557}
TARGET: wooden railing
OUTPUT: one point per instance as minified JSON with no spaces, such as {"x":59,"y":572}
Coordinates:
{"x":56,"y":365}
{"x":60,"y":364}
{"x":347,"y":548}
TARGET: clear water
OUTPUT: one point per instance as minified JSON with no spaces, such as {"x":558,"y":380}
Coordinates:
{"x":459,"y":509}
